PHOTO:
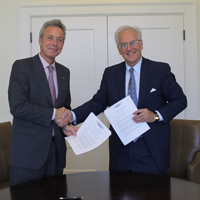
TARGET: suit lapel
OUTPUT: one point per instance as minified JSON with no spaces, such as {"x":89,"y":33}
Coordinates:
{"x":144,"y":80}
{"x":121,"y":79}
{"x":40,"y":77}
{"x":60,"y":79}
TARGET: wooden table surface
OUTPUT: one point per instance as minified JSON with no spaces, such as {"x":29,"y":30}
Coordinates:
{"x":105,"y":186}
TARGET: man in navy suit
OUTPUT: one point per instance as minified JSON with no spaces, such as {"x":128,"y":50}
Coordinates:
{"x":160,"y":98}
{"x":38,"y":146}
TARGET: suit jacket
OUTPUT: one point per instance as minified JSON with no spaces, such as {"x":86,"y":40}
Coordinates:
{"x":32,"y":109}
{"x":168,"y":99}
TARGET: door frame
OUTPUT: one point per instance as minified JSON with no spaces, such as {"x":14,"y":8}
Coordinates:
{"x":187,"y":10}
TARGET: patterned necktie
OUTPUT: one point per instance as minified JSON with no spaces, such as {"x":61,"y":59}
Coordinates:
{"x":132,"y":86}
{"x":51,"y":85}
{"x":132,"y":90}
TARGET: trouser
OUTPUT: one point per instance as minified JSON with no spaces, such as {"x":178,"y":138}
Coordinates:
{"x":52,"y":167}
{"x":136,"y":157}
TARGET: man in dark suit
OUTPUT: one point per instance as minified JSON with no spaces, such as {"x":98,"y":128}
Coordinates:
{"x":159,"y":99}
{"x":38,"y":146}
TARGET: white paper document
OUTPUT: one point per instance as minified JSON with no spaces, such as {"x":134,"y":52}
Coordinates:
{"x":120,"y":116}
{"x":90,"y":135}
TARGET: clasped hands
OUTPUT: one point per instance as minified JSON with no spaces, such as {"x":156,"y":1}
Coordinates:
{"x":63,"y":119}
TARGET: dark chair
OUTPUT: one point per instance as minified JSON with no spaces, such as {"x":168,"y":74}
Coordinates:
{"x":185,"y":150}
{"x":5,"y":137}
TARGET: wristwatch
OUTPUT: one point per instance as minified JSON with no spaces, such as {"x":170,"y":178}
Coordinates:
{"x":156,"y":116}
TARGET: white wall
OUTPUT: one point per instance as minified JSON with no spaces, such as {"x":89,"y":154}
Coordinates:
{"x":9,"y":51}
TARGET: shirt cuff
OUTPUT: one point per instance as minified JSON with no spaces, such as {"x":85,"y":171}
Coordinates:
{"x":160,"y":116}
{"x":54,"y":114}
{"x":74,"y":118}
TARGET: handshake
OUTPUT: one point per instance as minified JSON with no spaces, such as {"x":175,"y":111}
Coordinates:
{"x":63,"y":119}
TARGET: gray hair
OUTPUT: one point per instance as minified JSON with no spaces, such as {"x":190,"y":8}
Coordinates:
{"x":122,"y":28}
{"x":53,"y":23}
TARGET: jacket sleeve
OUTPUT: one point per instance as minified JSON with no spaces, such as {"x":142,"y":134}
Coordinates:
{"x":176,"y":100}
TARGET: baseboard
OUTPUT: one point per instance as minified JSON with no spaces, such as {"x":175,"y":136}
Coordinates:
{"x":70,"y":171}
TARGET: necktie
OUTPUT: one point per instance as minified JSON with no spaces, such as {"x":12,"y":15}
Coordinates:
{"x":52,"y":89}
{"x":132,"y":90}
{"x":132,"y":86}
{"x":51,"y":85}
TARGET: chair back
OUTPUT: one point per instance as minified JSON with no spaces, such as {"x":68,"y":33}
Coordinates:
{"x":185,"y":143}
{"x":5,"y":137}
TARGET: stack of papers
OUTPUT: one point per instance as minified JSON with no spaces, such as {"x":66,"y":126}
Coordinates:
{"x":120,"y":116}
{"x":93,"y":132}
{"x":90,"y":135}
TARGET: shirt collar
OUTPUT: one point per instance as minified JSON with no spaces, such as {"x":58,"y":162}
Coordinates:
{"x":45,"y":63}
{"x":137,"y":67}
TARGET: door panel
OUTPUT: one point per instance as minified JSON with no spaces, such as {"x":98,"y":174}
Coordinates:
{"x":85,"y":54}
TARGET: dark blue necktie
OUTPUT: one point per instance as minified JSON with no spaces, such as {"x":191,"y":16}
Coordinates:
{"x":132,"y":90}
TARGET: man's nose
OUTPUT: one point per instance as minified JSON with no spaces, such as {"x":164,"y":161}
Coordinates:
{"x":129,"y":47}
{"x":54,"y":41}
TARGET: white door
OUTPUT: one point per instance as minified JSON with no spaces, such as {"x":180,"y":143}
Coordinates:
{"x":86,"y":53}
{"x":162,"y":41}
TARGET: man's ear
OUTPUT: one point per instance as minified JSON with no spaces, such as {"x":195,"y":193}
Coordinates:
{"x":141,"y":43}
{"x":40,"y":41}
{"x":119,"y":50}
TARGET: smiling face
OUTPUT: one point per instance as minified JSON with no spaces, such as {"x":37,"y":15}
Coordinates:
{"x":52,"y":43}
{"x":131,"y":54}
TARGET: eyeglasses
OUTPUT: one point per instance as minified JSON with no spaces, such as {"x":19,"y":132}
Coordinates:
{"x":132,"y":44}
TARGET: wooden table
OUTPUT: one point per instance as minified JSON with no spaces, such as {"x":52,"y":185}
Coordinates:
{"x":105,"y":186}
